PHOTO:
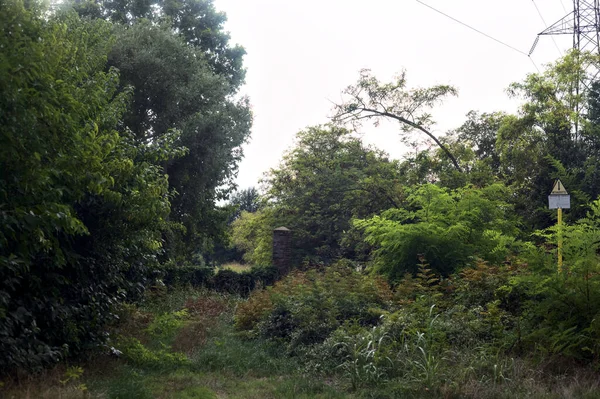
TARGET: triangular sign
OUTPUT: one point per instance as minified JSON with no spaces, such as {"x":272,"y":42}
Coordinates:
{"x":559,"y":188}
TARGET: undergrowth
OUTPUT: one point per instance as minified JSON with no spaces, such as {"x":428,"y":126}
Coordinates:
{"x":331,"y":334}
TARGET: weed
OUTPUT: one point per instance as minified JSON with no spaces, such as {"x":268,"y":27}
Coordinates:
{"x":73,"y":374}
{"x":195,"y":393}
{"x":139,"y":355}
{"x":305,"y":387}
{"x":164,"y":327}
{"x":228,"y":352}
{"x":364,"y":364}
{"x":130,"y":385}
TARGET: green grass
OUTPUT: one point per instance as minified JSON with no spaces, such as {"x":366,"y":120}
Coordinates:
{"x":236,"y":267}
{"x":219,"y":363}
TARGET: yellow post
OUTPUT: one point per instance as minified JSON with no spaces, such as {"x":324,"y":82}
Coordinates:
{"x":560,"y":240}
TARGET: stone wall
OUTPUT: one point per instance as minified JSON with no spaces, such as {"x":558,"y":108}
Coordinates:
{"x":282,"y":250}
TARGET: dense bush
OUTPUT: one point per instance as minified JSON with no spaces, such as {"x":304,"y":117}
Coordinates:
{"x":305,"y":307}
{"x":561,"y":308}
{"x":173,"y":275}
{"x":450,"y":228}
{"x":229,"y":281}
{"x":245,"y":282}
{"x":81,"y":205}
{"x":343,"y":322}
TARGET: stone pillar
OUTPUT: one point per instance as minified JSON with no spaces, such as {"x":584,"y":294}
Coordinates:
{"x":282,"y":250}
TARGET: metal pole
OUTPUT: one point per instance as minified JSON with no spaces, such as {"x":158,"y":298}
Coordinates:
{"x":560,"y":241}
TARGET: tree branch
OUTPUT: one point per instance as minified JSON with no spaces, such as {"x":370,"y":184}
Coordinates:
{"x":375,"y":113}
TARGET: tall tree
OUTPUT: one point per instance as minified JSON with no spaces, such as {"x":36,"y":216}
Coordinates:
{"x":185,"y":76}
{"x":547,"y":140}
{"x":480,"y":131}
{"x":373,"y":100}
{"x":326,"y":180}
{"x":245,"y":200}
{"x":82,"y":204}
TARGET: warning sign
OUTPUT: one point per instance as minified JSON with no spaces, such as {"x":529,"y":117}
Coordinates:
{"x":559,"y":198}
{"x":559,"y":201}
{"x":558,"y":189}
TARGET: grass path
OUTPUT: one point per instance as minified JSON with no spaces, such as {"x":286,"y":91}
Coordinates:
{"x":214,"y":361}
{"x":182,"y":345}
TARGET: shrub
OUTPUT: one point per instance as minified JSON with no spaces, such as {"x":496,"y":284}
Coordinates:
{"x":176,"y":275}
{"x":139,"y":355}
{"x":305,"y":307}
{"x":561,"y":308}
{"x":82,"y":205}
{"x":228,"y":281}
{"x":450,"y":228}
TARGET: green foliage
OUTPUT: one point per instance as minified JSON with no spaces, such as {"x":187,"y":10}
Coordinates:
{"x":140,"y":355}
{"x":562,"y":308}
{"x":197,"y":22}
{"x":194,"y":75}
{"x":304,"y":308}
{"x":243,"y":283}
{"x":550,"y":130}
{"x":480,"y":131}
{"x":372,"y":100}
{"x":364,"y":364}
{"x":131,"y":385}
{"x":228,"y":353}
{"x":174,"y":275}
{"x":82,"y":205}
{"x":246,"y":200}
{"x":327,"y":179}
{"x":164,"y":327}
{"x":449,"y":228}
{"x":252,"y":233}
{"x":72,"y":375}
{"x":227,"y":281}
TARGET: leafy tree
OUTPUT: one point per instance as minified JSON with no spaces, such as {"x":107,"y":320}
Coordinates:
{"x":246,"y":200}
{"x":432,"y":165}
{"x":185,"y":76}
{"x":326,"y":180}
{"x":370,"y":99}
{"x":196,"y":21}
{"x":252,"y":233}
{"x":547,"y":137}
{"x":447,"y":228}
{"x":480,"y":131}
{"x":82,"y":205}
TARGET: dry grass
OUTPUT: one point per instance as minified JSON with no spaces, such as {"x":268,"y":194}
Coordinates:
{"x":236,"y":267}
{"x":225,"y":366}
{"x":54,"y":383}
{"x":205,"y":314}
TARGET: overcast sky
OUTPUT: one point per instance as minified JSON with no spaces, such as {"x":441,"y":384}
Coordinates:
{"x":302,"y":54}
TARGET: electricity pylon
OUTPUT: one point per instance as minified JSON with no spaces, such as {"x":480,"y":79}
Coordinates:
{"x":584,"y":24}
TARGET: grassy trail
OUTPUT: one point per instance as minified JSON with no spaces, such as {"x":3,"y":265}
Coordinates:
{"x":183,"y":346}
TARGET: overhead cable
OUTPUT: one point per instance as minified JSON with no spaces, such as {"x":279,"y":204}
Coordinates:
{"x":563,"y":6}
{"x":546,"y":26}
{"x":480,"y":32}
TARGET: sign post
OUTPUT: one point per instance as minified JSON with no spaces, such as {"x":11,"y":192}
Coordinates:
{"x":559,"y":199}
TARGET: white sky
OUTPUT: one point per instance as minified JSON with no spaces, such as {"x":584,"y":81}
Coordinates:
{"x":302,"y":54}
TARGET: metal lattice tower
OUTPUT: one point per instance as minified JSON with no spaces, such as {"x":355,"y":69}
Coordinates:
{"x":584,"y":24}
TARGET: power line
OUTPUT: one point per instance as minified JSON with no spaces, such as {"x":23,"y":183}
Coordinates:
{"x":546,"y":25}
{"x":534,"y":64}
{"x":563,"y":6}
{"x":480,"y":32}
